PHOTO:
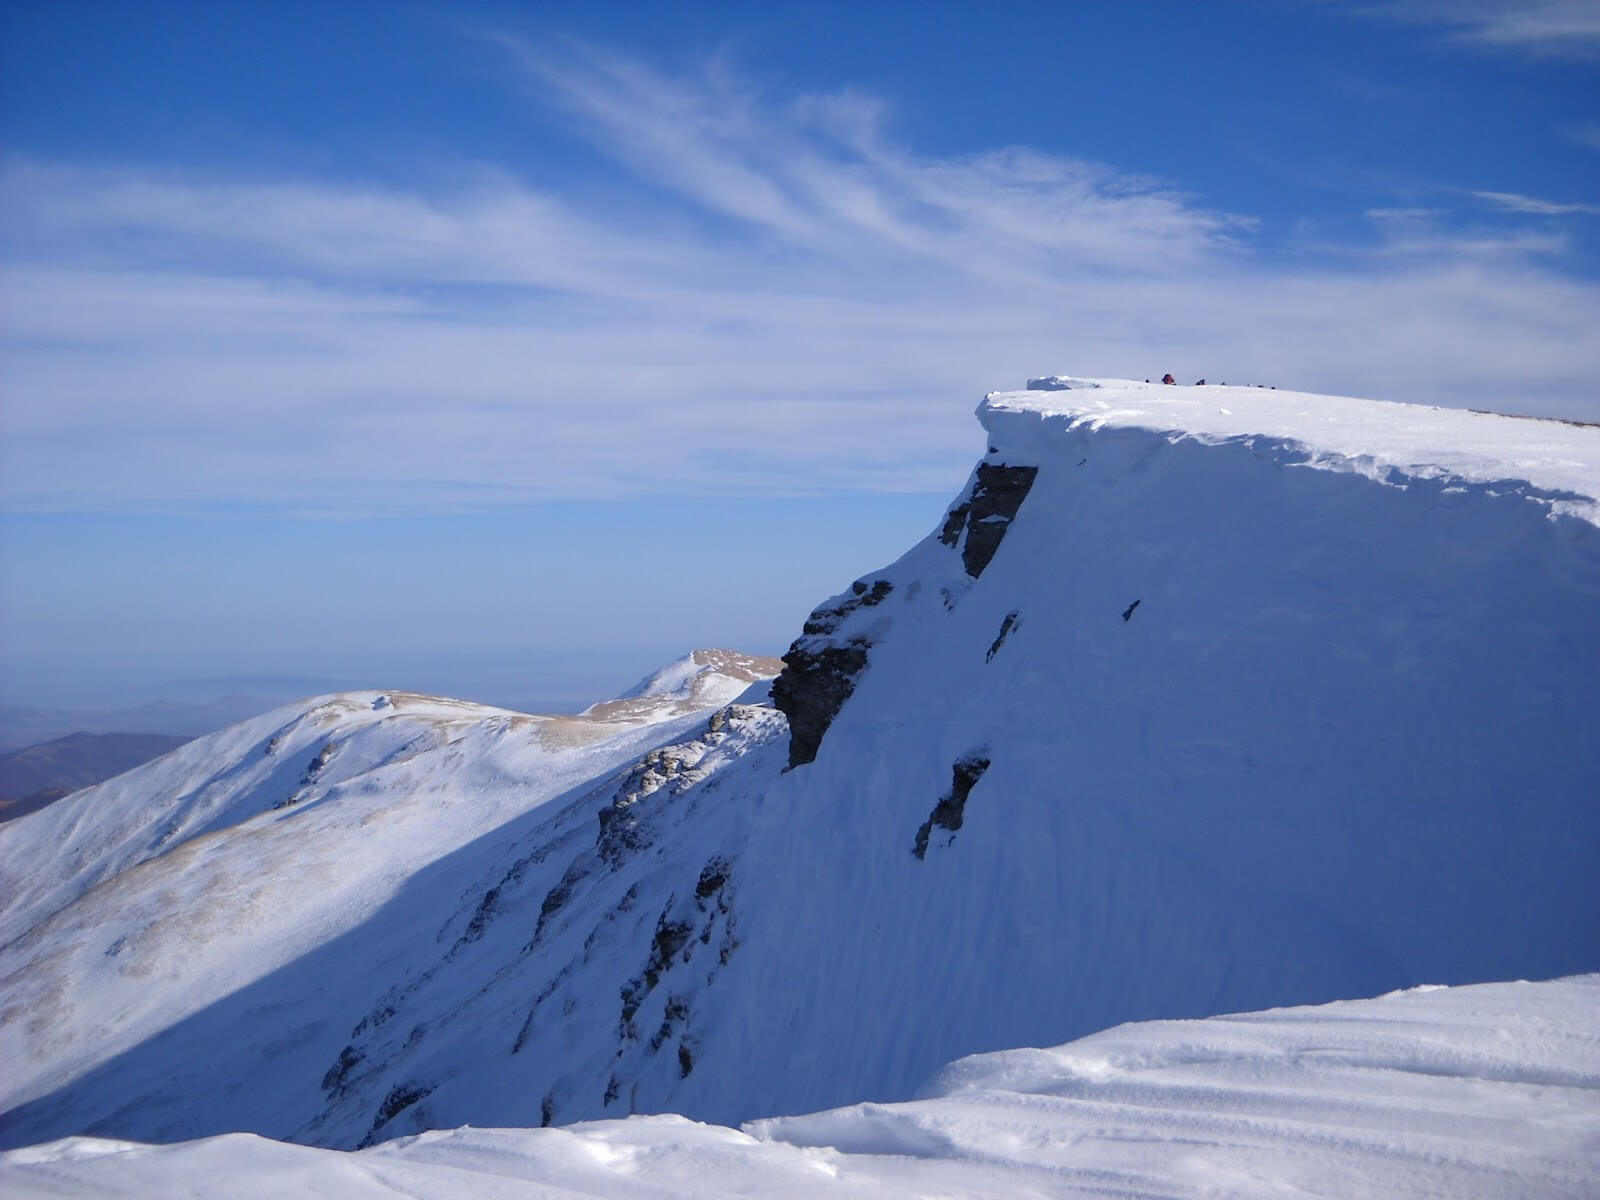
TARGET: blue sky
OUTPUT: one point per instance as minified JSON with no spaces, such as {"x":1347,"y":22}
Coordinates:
{"x":372,"y":341}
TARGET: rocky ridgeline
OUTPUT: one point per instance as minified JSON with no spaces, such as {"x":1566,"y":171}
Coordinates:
{"x":577,"y":895}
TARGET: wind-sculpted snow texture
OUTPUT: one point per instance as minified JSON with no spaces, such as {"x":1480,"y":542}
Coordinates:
{"x":1239,"y":699}
{"x":1489,"y":1091}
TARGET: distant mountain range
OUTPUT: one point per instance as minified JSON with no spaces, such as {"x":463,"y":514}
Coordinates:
{"x":22,"y":726}
{"x":35,"y":776}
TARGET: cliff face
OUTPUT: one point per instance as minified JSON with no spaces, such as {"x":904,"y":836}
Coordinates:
{"x":822,"y":665}
{"x":1257,"y":698}
{"x":1198,"y":702}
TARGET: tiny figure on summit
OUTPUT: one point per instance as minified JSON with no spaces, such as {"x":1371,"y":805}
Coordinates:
{"x":1168,"y":379}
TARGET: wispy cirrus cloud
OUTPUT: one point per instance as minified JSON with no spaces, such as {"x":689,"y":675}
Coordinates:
{"x":1513,"y":202}
{"x":1549,"y":28}
{"x":763,"y":295}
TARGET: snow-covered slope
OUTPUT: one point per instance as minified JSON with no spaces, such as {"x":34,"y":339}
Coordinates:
{"x":133,"y":904}
{"x":1489,"y":1091}
{"x":1196,"y":700}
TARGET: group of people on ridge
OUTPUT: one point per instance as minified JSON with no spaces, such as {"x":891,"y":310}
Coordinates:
{"x":1168,"y":379}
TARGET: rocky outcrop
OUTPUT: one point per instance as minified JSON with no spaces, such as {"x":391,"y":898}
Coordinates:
{"x":1006,"y":626}
{"x":997,"y":494}
{"x":821,"y":668}
{"x":950,"y":812}
{"x":815,"y":683}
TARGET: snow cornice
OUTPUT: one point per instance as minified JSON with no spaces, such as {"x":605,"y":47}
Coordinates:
{"x":1551,"y":462}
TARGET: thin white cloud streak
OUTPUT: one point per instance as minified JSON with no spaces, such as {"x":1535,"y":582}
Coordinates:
{"x":1514,"y":202}
{"x":787,"y":302}
{"x":1425,"y":233}
{"x":1545,"y":28}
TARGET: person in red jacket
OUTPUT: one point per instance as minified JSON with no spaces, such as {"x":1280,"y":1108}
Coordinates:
{"x":1168,"y":379}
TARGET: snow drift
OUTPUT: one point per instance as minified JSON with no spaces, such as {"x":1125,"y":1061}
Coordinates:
{"x":1483,"y":1091}
{"x":1195,"y":701}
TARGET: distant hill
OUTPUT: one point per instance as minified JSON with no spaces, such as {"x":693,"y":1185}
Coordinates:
{"x":22,"y":727}
{"x":32,"y":777}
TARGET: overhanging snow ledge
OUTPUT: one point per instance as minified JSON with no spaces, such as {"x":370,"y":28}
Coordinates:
{"x":1556,"y":463}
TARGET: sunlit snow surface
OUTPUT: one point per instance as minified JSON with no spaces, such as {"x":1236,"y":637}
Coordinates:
{"x":1550,"y":460}
{"x":1486,"y":1091}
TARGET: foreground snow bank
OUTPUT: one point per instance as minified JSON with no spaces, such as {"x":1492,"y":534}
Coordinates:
{"x":1491,"y":1090}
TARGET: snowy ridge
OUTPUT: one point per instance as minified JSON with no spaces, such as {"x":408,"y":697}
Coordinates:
{"x":135,"y":903}
{"x":701,"y":679}
{"x":1549,"y":461}
{"x":1484,"y":1091}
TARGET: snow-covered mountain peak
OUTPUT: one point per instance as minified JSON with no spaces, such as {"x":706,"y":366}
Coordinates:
{"x":1551,"y":461}
{"x":700,"y":679}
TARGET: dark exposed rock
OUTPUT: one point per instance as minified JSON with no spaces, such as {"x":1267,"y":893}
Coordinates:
{"x":481,"y":918}
{"x":685,"y":1060}
{"x":401,"y":1097}
{"x":323,"y":758}
{"x":816,"y":681}
{"x":818,"y":676}
{"x":826,"y":619}
{"x":625,"y":826}
{"x":674,"y":1014}
{"x":820,"y":671}
{"x":632,"y":993}
{"x":1006,"y":626}
{"x":671,"y":936}
{"x":949,"y":813}
{"x":349,"y":1059}
{"x":997,"y":494}
{"x":560,"y":894}
{"x":622,"y":833}
{"x":711,"y":879}
{"x":314,"y":769}
{"x":954,"y":522}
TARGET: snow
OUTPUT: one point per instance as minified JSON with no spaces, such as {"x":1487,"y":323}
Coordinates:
{"x":1550,"y":461}
{"x":1275,"y":714}
{"x":1486,"y":1091}
{"x":133,"y":905}
{"x":699,"y":680}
